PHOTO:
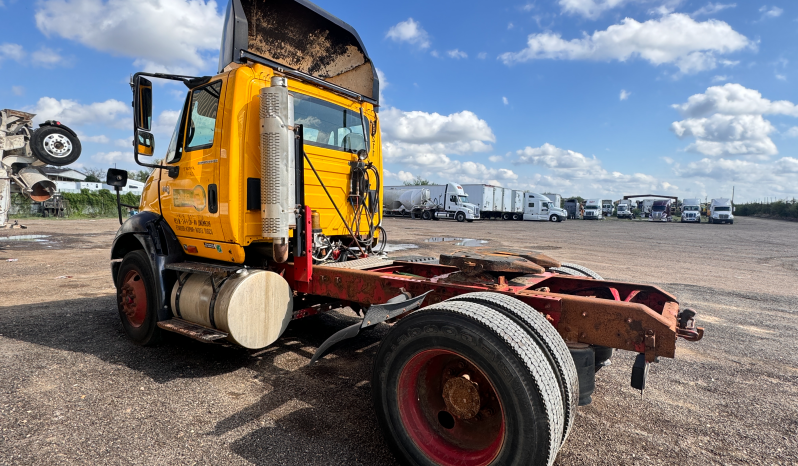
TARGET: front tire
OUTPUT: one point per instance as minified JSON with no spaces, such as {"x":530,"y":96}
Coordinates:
{"x":426,"y":215}
{"x":460,"y":217}
{"x":511,"y":410}
{"x":137,"y":299}
{"x":55,"y":146}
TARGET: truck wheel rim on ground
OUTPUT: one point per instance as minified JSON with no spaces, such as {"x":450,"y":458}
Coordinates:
{"x":134,"y":298}
{"x":450,"y":409}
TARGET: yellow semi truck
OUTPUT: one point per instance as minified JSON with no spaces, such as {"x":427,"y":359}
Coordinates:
{"x":266,"y":209}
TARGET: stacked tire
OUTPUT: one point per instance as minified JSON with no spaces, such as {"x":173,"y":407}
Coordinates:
{"x":480,"y":379}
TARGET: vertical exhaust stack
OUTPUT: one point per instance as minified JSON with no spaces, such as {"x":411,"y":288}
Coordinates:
{"x":278,"y":195}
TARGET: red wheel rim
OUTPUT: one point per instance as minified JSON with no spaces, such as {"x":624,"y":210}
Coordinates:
{"x":439,"y":420}
{"x":133,"y":298}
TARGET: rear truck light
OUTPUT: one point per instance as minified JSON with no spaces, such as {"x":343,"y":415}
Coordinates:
{"x":190,"y":249}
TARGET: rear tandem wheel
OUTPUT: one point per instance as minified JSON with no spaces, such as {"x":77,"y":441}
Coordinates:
{"x":458,"y":383}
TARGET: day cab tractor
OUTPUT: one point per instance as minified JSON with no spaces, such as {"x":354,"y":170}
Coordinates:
{"x":266,"y":209}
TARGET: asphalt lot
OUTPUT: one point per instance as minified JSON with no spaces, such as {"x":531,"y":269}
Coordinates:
{"x":74,"y":390}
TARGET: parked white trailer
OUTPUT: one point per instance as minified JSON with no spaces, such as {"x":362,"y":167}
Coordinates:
{"x":691,"y":210}
{"x":593,"y":210}
{"x":646,"y":207}
{"x":517,"y":204}
{"x":556,"y":199}
{"x":440,"y":201}
{"x":720,"y":211}
{"x":480,"y":195}
{"x":539,"y":207}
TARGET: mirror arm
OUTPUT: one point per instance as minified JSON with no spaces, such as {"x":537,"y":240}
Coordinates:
{"x":173,"y":172}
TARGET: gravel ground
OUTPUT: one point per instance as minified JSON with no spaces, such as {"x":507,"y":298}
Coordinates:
{"x":74,"y":390}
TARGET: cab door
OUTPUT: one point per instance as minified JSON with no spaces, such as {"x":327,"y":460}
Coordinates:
{"x":190,"y":202}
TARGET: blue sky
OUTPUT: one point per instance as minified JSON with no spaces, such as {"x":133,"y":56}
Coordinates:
{"x":580,"y":97}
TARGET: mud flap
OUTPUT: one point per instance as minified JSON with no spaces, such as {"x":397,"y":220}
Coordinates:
{"x":375,"y":315}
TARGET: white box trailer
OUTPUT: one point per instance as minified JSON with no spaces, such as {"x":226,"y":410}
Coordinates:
{"x":507,"y":203}
{"x":556,"y":199}
{"x":517,"y":204}
{"x":480,"y":195}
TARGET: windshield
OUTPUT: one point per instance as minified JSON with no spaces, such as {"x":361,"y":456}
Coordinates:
{"x":658,"y":208}
{"x":621,"y":207}
{"x":329,"y":125}
{"x":722,"y":209}
{"x":463,"y":198}
{"x":591,"y":207}
{"x":690,"y":208}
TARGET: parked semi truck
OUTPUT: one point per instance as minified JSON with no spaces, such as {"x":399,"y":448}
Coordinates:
{"x":691,"y":210}
{"x":720,"y":210}
{"x":430,"y":202}
{"x":625,"y":209}
{"x":593,"y":210}
{"x":24,"y":150}
{"x":574,"y":208}
{"x":661,"y":211}
{"x":539,"y":207}
{"x":267,"y":209}
{"x":607,"y":207}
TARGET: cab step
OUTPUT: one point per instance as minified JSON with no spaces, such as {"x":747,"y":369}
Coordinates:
{"x":198,"y":267}
{"x":192,"y":330}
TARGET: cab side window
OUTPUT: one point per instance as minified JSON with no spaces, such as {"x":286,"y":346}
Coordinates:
{"x":453,"y":198}
{"x":531,"y":204}
{"x":202,"y":117}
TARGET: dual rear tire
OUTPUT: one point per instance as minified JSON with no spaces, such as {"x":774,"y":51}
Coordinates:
{"x":482,"y":379}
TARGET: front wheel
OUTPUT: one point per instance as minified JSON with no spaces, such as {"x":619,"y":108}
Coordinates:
{"x":137,"y":299}
{"x":426,"y":215}
{"x":553,"y":218}
{"x":461,"y":384}
{"x":460,"y":217}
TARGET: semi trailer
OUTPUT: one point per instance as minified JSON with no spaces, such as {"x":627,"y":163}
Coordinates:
{"x":574,"y":208}
{"x":267,"y":209}
{"x":556,"y":199}
{"x":430,"y":202}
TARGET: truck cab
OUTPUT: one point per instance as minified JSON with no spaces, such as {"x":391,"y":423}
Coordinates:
{"x":593,"y":210}
{"x":607,"y":207}
{"x":720,"y":211}
{"x":661,"y":211}
{"x":624,"y":210}
{"x":691,"y":211}
{"x":455,"y":205}
{"x":539,"y":207}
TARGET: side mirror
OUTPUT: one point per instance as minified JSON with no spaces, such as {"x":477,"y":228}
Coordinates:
{"x":145,"y":143}
{"x":142,"y":103}
{"x":116,"y":178}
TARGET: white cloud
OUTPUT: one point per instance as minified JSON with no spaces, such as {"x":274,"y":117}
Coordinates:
{"x":383,"y":85}
{"x":510,"y":26}
{"x":495,"y":158}
{"x":179,"y":35}
{"x":47,"y":58}
{"x":11,"y":51}
{"x":720,"y":78}
{"x":165,"y":123}
{"x":673,"y":39}
{"x":781,"y":77}
{"x":111,"y":157}
{"x":780,"y":174}
{"x":17,"y":90}
{"x":553,"y":157}
{"x":728,"y":121}
{"x":124,"y":143}
{"x":773,"y":12}
{"x":111,"y":112}
{"x":728,"y":135}
{"x":625,"y":94}
{"x":482,"y":55}
{"x":505,"y":101}
{"x":712,"y":8}
{"x":590,"y":8}
{"x":792,"y":132}
{"x":409,"y":31}
{"x":734,"y":99}
{"x":460,"y":132}
{"x":100,"y":139}
{"x":457,"y":54}
{"x":401,"y":176}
